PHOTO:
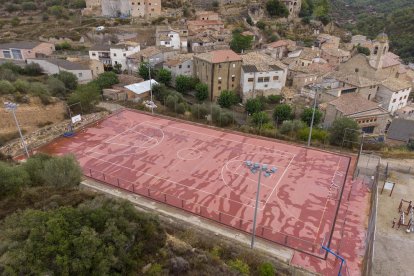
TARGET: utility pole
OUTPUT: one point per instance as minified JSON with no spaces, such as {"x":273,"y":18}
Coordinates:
{"x":313,"y":116}
{"x":149,"y":75}
{"x":12,"y":107}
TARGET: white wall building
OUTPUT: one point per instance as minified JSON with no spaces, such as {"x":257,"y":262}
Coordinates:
{"x":120,"y":52}
{"x":393,"y":94}
{"x":179,"y":65}
{"x":261,"y":75}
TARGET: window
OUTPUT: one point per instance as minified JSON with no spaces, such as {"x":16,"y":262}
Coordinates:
{"x":80,"y":75}
{"x":260,"y":79}
{"x":7,"y":54}
{"x":188,"y":66}
{"x":17,"y":54}
{"x":369,"y":96}
{"x":179,"y":66}
{"x":233,"y":77}
{"x":250,"y":80}
{"x":275,"y":77}
{"x":394,"y":100}
{"x":124,"y":54}
{"x":369,"y":129}
{"x":219,"y":80}
{"x":219,"y":88}
{"x":114,"y":54}
{"x":266,"y":79}
{"x":93,"y":54}
{"x":219,"y":66}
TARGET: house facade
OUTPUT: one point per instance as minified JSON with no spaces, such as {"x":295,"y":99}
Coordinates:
{"x":25,"y":50}
{"x":393,"y":94}
{"x":175,"y":38}
{"x":126,"y":8}
{"x":261,"y":76}
{"x":54,"y":66}
{"x":181,"y":64}
{"x":151,"y":55}
{"x":101,"y":53}
{"x":220,"y":70}
{"x":120,"y":52}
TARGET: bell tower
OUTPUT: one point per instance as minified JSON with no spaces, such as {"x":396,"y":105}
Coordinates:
{"x":381,"y":47}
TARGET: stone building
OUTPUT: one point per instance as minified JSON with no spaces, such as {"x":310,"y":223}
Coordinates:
{"x":181,"y":64}
{"x":220,"y":70}
{"x":23,"y":50}
{"x":293,"y":7}
{"x":126,"y":8}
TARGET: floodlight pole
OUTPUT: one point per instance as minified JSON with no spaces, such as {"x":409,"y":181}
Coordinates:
{"x":359,"y":154}
{"x":12,"y":107}
{"x":255,"y":209}
{"x":313,"y":117}
{"x":149,"y":74}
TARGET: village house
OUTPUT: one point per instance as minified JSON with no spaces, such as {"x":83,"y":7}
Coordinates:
{"x":102,"y":53}
{"x":335,"y":56}
{"x":261,"y":76}
{"x":400,"y":132}
{"x":151,"y":55}
{"x":369,"y":115}
{"x":197,"y":26}
{"x":204,"y":42}
{"x":95,"y":66}
{"x":407,"y":112}
{"x":126,"y":8}
{"x":24,"y":50}
{"x":121,"y":51}
{"x":168,"y":36}
{"x":181,"y":64}
{"x":53,"y":66}
{"x":280,"y":48}
{"x":206,"y":15}
{"x":393,"y":94}
{"x":220,"y":70}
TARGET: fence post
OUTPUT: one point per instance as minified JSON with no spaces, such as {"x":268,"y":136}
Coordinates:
{"x":149,"y":193}
{"x":103,"y":176}
{"x":182,"y":203}
{"x":118,"y":181}
{"x":165,"y":197}
{"x":133,"y":188}
{"x":90,"y":172}
{"x":262,"y":231}
{"x":219,"y":216}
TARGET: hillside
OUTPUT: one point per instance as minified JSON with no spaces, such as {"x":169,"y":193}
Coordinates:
{"x":370,"y":17}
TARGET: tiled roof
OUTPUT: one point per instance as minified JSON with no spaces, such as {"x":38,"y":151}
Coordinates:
{"x":353,"y":103}
{"x":100,"y":47}
{"x":147,"y":52}
{"x":262,"y":62}
{"x":65,"y":64}
{"x":336,"y":52}
{"x":219,"y":56}
{"x":395,"y":84}
{"x":178,"y":59}
{"x":390,"y":59}
{"x":354,"y":79}
{"x":20,"y":45}
{"x":401,"y":130}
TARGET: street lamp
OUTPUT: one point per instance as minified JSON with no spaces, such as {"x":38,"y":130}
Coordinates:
{"x":149,"y":75}
{"x":262,"y":169}
{"x":12,"y":107}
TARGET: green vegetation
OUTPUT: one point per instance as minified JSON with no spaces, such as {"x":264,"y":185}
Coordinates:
{"x":106,"y":80}
{"x":227,"y":98}
{"x":363,"y":50}
{"x":221,"y":117}
{"x":260,"y":118}
{"x":282,"y":113}
{"x":254,"y":105}
{"x":185,"y":84}
{"x":88,"y":95}
{"x":307,"y":116}
{"x":241,"y":42}
{"x":69,"y":79}
{"x":338,"y":132}
{"x":240,"y":267}
{"x":164,"y":76}
{"x":275,"y":8}
{"x":144,"y":70}
{"x":266,"y":269}
{"x":201,"y":92}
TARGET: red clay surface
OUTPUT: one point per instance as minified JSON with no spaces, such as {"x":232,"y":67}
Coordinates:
{"x":201,"y":170}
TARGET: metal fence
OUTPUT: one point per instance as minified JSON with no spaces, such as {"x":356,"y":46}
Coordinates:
{"x":244,"y":225}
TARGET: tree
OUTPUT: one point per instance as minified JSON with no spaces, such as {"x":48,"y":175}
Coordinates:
{"x":227,"y":98}
{"x":306,"y":9}
{"x":201,"y":92}
{"x":363,"y":50}
{"x":221,"y":117}
{"x":274,"y":99}
{"x":118,"y":68}
{"x":276,"y":9}
{"x":249,"y":21}
{"x":69,"y":79}
{"x":261,"y":25}
{"x":56,"y":87}
{"x":22,"y":86}
{"x":6,"y":87}
{"x":282,"y":113}
{"x":240,"y":42}
{"x":87,"y":94}
{"x":307,"y":116}
{"x":13,"y":178}
{"x":260,"y":118}
{"x":266,"y":269}
{"x":164,"y":76}
{"x":338,"y":131}
{"x":254,"y":105}
{"x":35,"y":166}
{"x":62,"y":171}
{"x":99,"y":237}
{"x":33,"y":69}
{"x":160,"y":92}
{"x":291,"y":128}
{"x":185,"y":84}
{"x":143,"y":70}
{"x":106,"y":80}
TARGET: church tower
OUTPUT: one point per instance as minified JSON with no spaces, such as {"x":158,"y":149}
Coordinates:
{"x":380,"y":49}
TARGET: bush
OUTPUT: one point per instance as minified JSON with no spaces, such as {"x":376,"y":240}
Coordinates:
{"x":317,"y":134}
{"x":307,"y":116}
{"x":338,"y":129}
{"x":220,"y":117}
{"x":227,"y":98}
{"x":173,"y":101}
{"x":40,"y":90}
{"x":56,"y":87}
{"x":291,"y":127}
{"x":282,"y":113}
{"x":7,"y":74}
{"x":106,"y":80}
{"x":19,"y":98}
{"x":29,"y":6}
{"x":22,"y":86}
{"x":180,"y":108}
{"x":35,"y":166}
{"x":164,"y":76}
{"x":69,"y":80}
{"x":32,"y":69}
{"x":13,"y":178}
{"x":249,"y":21}
{"x":185,"y":84}
{"x":239,"y":266}
{"x":276,"y":9}
{"x":57,"y":11}
{"x":6,"y":87}
{"x":88,"y":95}
{"x":62,"y":172}
{"x":410,"y":145}
{"x":63,"y":46}
{"x":261,"y":25}
{"x":201,"y":92}
{"x":254,"y":105}
{"x":199,"y":111}
{"x":266,"y":269}
{"x":160,"y":92}
{"x":274,"y":99}
{"x":241,"y":42}
{"x":13,"y":67}
{"x":260,"y":118}
{"x":143,"y":70}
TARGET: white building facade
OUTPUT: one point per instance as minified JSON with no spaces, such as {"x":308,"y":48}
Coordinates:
{"x":393,"y":95}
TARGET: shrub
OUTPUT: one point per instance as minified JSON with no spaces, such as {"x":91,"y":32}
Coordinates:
{"x":164,"y":76}
{"x":6,"y":87}
{"x":160,"y":92}
{"x":276,"y":9}
{"x":143,"y":70}
{"x":29,"y":6}
{"x":249,"y":21}
{"x":15,"y":21}
{"x":338,"y":130}
{"x":317,"y":134}
{"x":56,"y":87}
{"x":35,"y":166}
{"x":22,"y":86}
{"x":172,"y":101}
{"x":274,"y":99}
{"x":261,"y":25}
{"x":180,"y":108}
{"x":260,"y":118}
{"x":220,"y":117}
{"x":254,"y":105}
{"x":241,"y":42}
{"x":239,"y":266}
{"x":88,"y":95}
{"x":32,"y":69}
{"x":227,"y":98}
{"x":266,"y":269}
{"x":40,"y":90}
{"x":7,"y":74}
{"x":69,"y":80}
{"x":185,"y":84}
{"x":106,"y":80}
{"x":62,"y":171}
{"x":10,"y":65}
{"x":13,"y":178}
{"x":201,"y":92}
{"x":155,"y":270}
{"x":410,"y":145}
{"x":282,"y":113}
{"x":19,"y":98}
{"x":63,"y":46}
{"x":291,"y":127}
{"x":199,"y":111}
{"x":307,"y":116}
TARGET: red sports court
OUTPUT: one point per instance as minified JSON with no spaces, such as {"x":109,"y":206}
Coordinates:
{"x":202,"y":170}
